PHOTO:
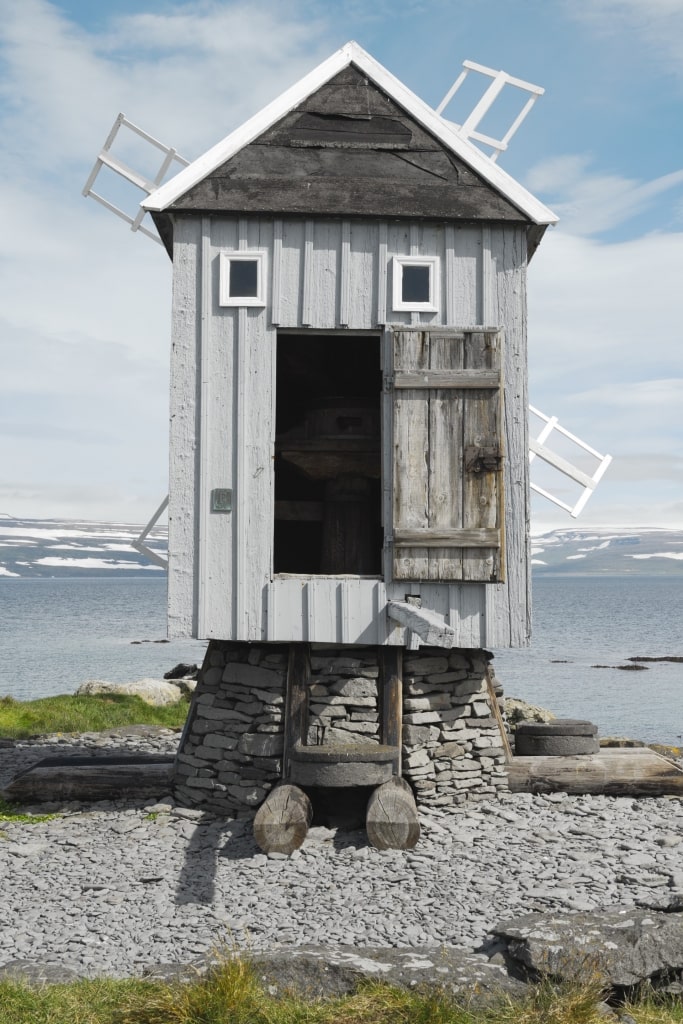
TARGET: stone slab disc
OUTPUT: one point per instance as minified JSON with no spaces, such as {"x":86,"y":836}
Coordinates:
{"x":555,"y":746}
{"x":558,"y":727}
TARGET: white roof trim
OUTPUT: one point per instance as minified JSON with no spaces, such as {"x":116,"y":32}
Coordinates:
{"x":351,"y":53}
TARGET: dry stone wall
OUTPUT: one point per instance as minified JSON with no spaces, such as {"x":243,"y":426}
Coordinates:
{"x":231,"y":751}
{"x":343,"y":702}
{"x":452,"y":746}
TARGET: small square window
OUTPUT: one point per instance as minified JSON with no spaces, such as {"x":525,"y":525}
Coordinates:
{"x":242,"y":279}
{"x":416,"y":283}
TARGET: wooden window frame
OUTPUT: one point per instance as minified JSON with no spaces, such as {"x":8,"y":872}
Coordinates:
{"x":257,"y":256}
{"x":398,"y":303}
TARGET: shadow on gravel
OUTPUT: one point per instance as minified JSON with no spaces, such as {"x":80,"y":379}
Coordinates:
{"x":212,"y":838}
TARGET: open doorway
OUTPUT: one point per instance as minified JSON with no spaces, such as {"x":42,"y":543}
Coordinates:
{"x":328,"y":455}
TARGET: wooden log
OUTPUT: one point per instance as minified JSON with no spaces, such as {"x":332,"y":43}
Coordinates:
{"x":391,"y":821}
{"x":96,"y":779}
{"x":282,"y":821}
{"x":613,"y":772}
{"x":296,"y":703}
{"x":391,"y":699}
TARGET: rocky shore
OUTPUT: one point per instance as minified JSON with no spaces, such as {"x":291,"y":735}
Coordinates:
{"x":121,"y":889}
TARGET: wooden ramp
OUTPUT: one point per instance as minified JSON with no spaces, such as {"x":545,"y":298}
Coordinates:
{"x":635,"y":771}
{"x":92,"y":778}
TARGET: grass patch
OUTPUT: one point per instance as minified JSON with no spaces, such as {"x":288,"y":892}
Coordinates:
{"x":8,"y":812}
{"x":233,"y":995}
{"x":67,"y":714}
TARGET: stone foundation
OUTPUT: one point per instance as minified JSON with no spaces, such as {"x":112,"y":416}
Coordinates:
{"x":231,"y":751}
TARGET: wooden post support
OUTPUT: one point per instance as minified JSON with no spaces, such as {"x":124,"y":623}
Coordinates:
{"x":495,"y":710}
{"x":282,"y":821}
{"x":391,"y":700}
{"x":392,"y":822}
{"x":296,"y":707}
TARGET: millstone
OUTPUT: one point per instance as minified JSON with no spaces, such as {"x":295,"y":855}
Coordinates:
{"x":562,"y":737}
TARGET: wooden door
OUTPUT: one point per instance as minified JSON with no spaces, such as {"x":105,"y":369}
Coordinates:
{"x":445,"y":391}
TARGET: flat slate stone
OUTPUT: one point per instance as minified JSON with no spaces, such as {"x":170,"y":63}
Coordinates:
{"x":35,"y":973}
{"x":318,"y":972}
{"x":627,"y":945}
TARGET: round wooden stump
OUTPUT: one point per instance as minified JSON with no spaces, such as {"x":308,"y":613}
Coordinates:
{"x":282,"y":821}
{"x":392,"y":822}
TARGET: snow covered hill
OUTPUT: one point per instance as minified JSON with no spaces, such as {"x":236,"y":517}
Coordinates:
{"x":605,"y":550}
{"x":59,"y":547}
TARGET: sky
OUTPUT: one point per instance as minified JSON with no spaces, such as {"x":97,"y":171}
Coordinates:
{"x":85,"y":304}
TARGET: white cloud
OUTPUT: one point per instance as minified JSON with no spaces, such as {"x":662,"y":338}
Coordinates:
{"x":187,"y":76}
{"x":656,"y":25}
{"x":604,"y":313}
{"x":594,"y":203}
{"x":85,"y":304}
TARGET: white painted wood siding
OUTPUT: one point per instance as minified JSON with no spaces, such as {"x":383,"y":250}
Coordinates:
{"x":321,"y":275}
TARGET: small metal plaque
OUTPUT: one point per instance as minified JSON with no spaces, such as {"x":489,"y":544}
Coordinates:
{"x":221,"y":499}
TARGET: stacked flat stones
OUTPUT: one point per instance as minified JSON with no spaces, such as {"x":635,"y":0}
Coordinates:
{"x":231,"y":751}
{"x":343,"y":703}
{"x":230,"y":755}
{"x":451,"y":740}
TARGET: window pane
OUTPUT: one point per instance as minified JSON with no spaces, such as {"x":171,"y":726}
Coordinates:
{"x":243,"y":279}
{"x":415,"y":284}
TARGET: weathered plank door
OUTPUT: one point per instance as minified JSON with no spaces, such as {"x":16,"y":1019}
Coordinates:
{"x":445,"y":392}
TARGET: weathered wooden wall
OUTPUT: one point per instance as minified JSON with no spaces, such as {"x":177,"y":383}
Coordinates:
{"x":325,"y":275}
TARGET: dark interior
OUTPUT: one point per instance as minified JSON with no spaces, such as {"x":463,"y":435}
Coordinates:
{"x":327,"y":455}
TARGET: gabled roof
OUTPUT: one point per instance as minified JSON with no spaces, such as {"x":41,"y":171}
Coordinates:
{"x":351,"y":54}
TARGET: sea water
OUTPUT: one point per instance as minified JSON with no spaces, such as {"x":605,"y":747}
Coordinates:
{"x":580,"y":622}
{"x":57,"y":633}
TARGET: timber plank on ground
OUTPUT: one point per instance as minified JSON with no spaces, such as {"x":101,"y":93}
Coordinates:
{"x":611,"y":772}
{"x":97,"y":778}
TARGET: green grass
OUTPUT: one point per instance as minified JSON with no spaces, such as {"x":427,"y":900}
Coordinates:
{"x":8,"y":812}
{"x":68,"y":714}
{"x":233,"y":995}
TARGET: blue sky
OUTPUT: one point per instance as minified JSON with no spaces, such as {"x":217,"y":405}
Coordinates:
{"x":85,"y":305}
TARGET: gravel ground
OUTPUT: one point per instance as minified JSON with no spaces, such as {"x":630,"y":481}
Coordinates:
{"x":112,"y":889}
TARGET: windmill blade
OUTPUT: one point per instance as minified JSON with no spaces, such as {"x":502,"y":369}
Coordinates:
{"x":499,"y":79}
{"x":144,"y":548}
{"x":106,"y":159}
{"x":588,"y":482}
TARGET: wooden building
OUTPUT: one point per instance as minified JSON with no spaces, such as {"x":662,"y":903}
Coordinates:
{"x":349,"y":449}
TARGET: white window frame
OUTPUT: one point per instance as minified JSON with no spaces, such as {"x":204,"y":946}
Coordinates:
{"x":433,"y":263}
{"x":253,"y":255}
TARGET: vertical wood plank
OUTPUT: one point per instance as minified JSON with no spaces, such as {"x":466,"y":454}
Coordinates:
{"x":387,"y":364}
{"x":450,"y":276}
{"x":241,"y":492}
{"x":276,"y":272}
{"x":344,"y":273}
{"x":221,"y":396}
{"x":411,"y":447}
{"x":382,"y":275}
{"x":445,"y":455}
{"x":296,"y":701}
{"x":206,"y":299}
{"x":487,"y":278}
{"x":509,"y":618}
{"x":481,"y":427}
{"x":415,"y":316}
{"x":307,"y":315}
{"x":184,"y":408}
{"x":391,"y":700}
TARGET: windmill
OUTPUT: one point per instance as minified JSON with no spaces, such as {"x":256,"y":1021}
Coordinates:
{"x":593,"y":464}
{"x":349,"y":452}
